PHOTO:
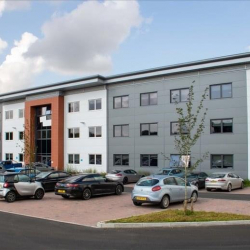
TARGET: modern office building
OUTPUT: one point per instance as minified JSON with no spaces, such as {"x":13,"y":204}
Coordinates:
{"x":129,"y":120}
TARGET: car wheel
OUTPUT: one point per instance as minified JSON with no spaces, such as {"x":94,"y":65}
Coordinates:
{"x":65,"y":196}
{"x":229,"y":187}
{"x":86,"y":194}
{"x":194,"y":196}
{"x":242,"y":185}
{"x":39,"y":194}
{"x":118,"y":190}
{"x":208,"y":189}
{"x":10,"y":197}
{"x":137,"y":203}
{"x":125,"y":180}
{"x":164,"y":202}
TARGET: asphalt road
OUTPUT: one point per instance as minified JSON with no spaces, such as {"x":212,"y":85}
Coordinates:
{"x":19,"y":232}
{"x":214,"y":195}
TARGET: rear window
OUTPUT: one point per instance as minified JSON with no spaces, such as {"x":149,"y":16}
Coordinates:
{"x":115,"y":171}
{"x":75,"y":178}
{"x":7,"y":178}
{"x":147,"y":182}
{"x":217,"y":176}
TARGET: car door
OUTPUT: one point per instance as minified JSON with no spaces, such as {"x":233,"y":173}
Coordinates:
{"x":23,"y":185}
{"x":237,"y":180}
{"x":105,"y":186}
{"x":129,"y":175}
{"x":181,"y":188}
{"x":134,"y":176}
{"x":50,"y":181}
{"x":201,"y":179}
{"x":231,"y":179}
{"x":171,"y":188}
{"x":93,"y":183}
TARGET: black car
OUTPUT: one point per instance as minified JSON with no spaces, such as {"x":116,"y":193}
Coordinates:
{"x":87,"y":185}
{"x":40,"y":166}
{"x":49,"y":179}
{"x":197,"y":178}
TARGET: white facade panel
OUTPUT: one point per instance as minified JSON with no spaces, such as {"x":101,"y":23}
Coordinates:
{"x":248,"y":118}
{"x":14,"y":125}
{"x":85,"y":118}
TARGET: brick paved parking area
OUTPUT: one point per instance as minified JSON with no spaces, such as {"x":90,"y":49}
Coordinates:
{"x":108,"y":207}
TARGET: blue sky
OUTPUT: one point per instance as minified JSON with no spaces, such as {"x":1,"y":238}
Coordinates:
{"x":137,"y":36}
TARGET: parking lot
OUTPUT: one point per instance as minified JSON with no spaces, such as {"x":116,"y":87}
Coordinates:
{"x":109,"y":207}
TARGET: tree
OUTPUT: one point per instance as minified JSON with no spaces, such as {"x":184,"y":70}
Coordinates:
{"x":190,"y":128}
{"x":28,"y":146}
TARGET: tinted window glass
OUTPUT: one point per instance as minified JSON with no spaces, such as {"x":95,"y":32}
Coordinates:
{"x":227,"y":126}
{"x":125,"y":130}
{"x":180,"y":182}
{"x":175,"y":95}
{"x":99,"y":104}
{"x":125,"y":102}
{"x":226,"y":90}
{"x":215,"y":92}
{"x":23,"y":178}
{"x":117,"y":102}
{"x":144,"y":129}
{"x":53,"y":175}
{"x":91,"y":104}
{"x":147,"y":182}
{"x":184,"y":95}
{"x":169,"y":181}
{"x":144,"y":99}
{"x":153,"y":98}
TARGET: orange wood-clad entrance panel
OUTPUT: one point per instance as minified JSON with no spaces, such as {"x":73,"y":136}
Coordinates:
{"x":57,"y":128}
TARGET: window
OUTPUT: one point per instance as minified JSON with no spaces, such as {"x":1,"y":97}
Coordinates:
{"x":121,"y":131}
{"x":53,"y":175}
{"x":175,"y":128}
{"x":221,"y":161}
{"x":74,"y":159}
{"x":20,"y":157}
{"x":220,"y":91}
{"x":8,"y":156}
{"x":180,"y":182}
{"x":149,"y":129}
{"x":221,"y":126}
{"x":179,"y":95}
{"x":73,"y":133}
{"x":149,"y":160}
{"x":149,"y":99}
{"x":74,"y":107}
{"x":95,"y":104}
{"x":95,"y":159}
{"x":21,"y":135}
{"x":179,"y":160}
{"x":121,"y":160}
{"x":169,"y":181}
{"x":20,"y":113}
{"x":95,"y":131}
{"x":23,"y":178}
{"x":9,"y":136}
{"x":121,"y":102}
{"x":9,"y":114}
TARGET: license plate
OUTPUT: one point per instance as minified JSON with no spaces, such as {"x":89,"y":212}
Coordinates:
{"x":61,"y":191}
{"x":1,"y":185}
{"x":141,"y":198}
{"x":213,"y":181}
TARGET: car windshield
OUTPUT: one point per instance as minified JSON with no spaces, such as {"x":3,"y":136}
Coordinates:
{"x":147,"y":182}
{"x":214,"y":176}
{"x":1,"y":178}
{"x":164,"y":172}
{"x":42,"y":175}
{"x":115,"y":171}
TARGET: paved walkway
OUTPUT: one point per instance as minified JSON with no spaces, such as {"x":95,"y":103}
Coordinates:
{"x":106,"y":208}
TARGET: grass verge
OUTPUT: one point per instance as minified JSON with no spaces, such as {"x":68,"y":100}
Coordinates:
{"x":246,"y":183}
{"x":178,"y":216}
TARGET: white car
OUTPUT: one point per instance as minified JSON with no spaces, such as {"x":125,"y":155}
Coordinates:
{"x":224,"y":181}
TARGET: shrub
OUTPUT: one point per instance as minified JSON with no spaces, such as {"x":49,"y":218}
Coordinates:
{"x":145,"y":173}
{"x":71,"y":170}
{"x":246,"y":183}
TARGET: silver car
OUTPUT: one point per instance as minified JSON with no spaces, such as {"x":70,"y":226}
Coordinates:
{"x":15,"y":185}
{"x":124,"y":176}
{"x":162,"y":190}
{"x":224,"y":181}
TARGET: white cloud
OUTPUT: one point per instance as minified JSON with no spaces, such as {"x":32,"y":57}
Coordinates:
{"x":3,"y":45}
{"x":16,"y":71}
{"x":82,"y":41}
{"x":11,"y":5}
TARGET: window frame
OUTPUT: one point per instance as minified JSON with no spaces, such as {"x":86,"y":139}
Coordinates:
{"x":19,"y":112}
{"x":74,"y":137}
{"x":121,"y":155}
{"x":9,"y":158}
{"x":95,"y":159}
{"x":10,"y":115}
{"x":171,"y":131}
{"x":148,"y":93}
{"x":220,"y":84}
{"x":180,"y":166}
{"x":221,"y":126}
{"x":69,"y":103}
{"x":94,"y":104}
{"x":149,"y":160}
{"x":9,"y":133}
{"x":222,"y":160}
{"x":122,"y":125}
{"x":179,"y":94}
{"x":121,"y":101}
{"x":149,"y":130}
{"x":95,"y":131}
{"x":74,"y":162}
